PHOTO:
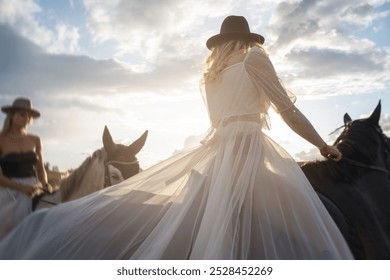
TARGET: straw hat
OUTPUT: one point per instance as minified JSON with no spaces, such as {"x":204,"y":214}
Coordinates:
{"x":234,"y":27}
{"x":21,"y":104}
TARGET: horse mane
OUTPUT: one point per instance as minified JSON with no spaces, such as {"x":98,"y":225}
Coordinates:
{"x":75,"y":178}
{"x":355,"y":144}
{"x":331,"y":170}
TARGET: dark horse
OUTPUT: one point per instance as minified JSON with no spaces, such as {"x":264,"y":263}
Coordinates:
{"x":356,"y":190}
{"x":105,"y":167}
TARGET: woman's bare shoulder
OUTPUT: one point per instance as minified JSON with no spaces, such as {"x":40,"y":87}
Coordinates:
{"x":34,"y":138}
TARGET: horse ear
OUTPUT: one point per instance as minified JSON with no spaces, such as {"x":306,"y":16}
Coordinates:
{"x":347,"y":118}
{"x":137,"y":145}
{"x":376,"y":114}
{"x":108,"y":143}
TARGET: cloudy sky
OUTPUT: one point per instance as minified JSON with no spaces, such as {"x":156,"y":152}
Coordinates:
{"x":135,"y":65}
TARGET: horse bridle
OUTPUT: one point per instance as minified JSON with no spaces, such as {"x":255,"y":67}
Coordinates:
{"x":372,"y":167}
{"x":360,"y":164}
{"x":107,"y":179}
{"x":107,"y":182}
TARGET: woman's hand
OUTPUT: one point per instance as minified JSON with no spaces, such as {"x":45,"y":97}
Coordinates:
{"x":31,"y":190}
{"x":331,"y":152}
{"x":48,"y":188}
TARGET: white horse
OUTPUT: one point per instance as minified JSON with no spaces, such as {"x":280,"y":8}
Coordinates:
{"x":105,"y":167}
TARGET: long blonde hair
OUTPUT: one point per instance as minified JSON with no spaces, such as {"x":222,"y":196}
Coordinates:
{"x":7,"y":124}
{"x":220,"y":55}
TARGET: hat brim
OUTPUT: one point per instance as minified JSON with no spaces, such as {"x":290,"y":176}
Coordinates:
{"x":10,"y":109}
{"x":223,"y":38}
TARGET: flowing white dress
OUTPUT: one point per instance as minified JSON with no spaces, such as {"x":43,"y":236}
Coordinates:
{"x":14,"y":205}
{"x":238,"y":195}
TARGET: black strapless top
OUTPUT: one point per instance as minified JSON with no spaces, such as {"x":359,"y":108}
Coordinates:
{"x":19,"y":165}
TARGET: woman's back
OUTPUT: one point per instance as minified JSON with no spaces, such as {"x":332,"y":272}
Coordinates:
{"x":233,"y":93}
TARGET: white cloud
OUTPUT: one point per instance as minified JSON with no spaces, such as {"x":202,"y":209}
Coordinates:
{"x":153,"y":28}
{"x":317,"y":51}
{"x":14,"y":12}
{"x":65,"y":39}
{"x":385,"y":123}
{"x":22,"y":16}
{"x":28,"y":68}
{"x":310,"y":20}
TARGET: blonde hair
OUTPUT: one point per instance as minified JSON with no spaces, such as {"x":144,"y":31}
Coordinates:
{"x":7,"y":124}
{"x":220,"y":55}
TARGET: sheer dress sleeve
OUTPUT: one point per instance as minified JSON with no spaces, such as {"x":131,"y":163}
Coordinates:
{"x":264,"y":77}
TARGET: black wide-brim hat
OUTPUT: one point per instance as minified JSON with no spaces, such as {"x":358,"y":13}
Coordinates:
{"x":232,"y":28}
{"x":21,"y":104}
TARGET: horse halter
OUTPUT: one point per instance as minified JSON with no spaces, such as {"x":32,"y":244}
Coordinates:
{"x":383,"y":137}
{"x":107,"y":177}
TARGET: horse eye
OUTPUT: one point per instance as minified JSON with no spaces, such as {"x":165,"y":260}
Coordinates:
{"x":115,"y":176}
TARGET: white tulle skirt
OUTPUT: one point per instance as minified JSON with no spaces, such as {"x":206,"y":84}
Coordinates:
{"x":237,"y":196}
{"x":14,"y":205}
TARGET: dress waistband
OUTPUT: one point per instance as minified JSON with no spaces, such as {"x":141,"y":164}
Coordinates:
{"x":212,"y":133}
{"x":258,"y":118}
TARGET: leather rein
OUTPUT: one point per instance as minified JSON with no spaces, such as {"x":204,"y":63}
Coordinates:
{"x":366,"y":166}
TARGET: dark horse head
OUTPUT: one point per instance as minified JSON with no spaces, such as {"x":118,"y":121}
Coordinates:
{"x":356,"y":190}
{"x":121,"y":161}
{"x":363,"y":142}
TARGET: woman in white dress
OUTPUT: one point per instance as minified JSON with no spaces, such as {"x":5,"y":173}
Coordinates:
{"x":238,"y":195}
{"x":22,"y":173}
